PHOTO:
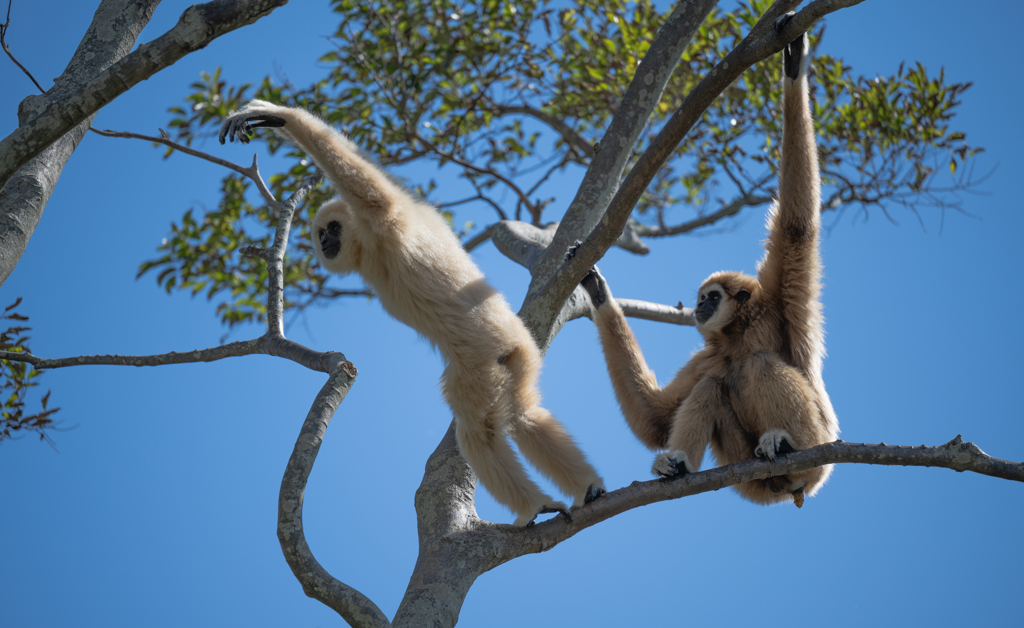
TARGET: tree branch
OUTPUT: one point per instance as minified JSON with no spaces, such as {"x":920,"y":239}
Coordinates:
{"x":48,"y":117}
{"x":759,"y":44}
{"x":733,"y":208}
{"x":353,"y":606}
{"x":956,"y":454}
{"x":252,"y":172}
{"x":541,"y":312}
{"x":115,"y":27}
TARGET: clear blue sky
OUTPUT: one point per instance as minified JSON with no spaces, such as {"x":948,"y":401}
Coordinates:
{"x":160,"y":507}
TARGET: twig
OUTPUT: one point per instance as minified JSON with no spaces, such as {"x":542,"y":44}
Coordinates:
{"x":253,"y":171}
{"x":7,"y":49}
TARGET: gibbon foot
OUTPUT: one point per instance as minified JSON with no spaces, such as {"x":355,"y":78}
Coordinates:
{"x":798,"y":498}
{"x":793,"y":55}
{"x":671,"y":464}
{"x":774,"y":443}
{"x":554,"y":507}
{"x":593,"y":492}
{"x":241,"y":126}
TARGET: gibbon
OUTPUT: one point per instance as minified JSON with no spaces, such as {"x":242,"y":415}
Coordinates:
{"x":755,"y":388}
{"x":407,"y":253}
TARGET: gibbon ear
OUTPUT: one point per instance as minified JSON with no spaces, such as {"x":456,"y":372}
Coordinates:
{"x":742,"y":296}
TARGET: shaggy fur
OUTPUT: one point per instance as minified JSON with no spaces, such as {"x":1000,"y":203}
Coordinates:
{"x":409,"y":256}
{"x":755,"y":388}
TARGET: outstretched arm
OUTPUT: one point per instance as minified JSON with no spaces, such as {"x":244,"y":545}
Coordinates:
{"x":648,"y":409}
{"x":791,"y":267}
{"x":360,"y":183}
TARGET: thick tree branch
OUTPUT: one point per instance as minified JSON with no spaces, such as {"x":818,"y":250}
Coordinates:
{"x":759,"y":44}
{"x":115,"y":27}
{"x":541,"y":313}
{"x":48,"y":117}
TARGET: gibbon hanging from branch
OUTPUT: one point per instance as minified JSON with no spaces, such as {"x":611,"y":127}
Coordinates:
{"x":755,"y":388}
{"x":408,"y":254}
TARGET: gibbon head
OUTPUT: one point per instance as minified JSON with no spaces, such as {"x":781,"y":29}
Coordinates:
{"x":330,"y":242}
{"x":721,"y":298}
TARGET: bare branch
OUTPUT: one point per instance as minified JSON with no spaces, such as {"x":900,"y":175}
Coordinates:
{"x":352,"y":605}
{"x":7,"y":49}
{"x":733,"y":208}
{"x":468,"y":165}
{"x":675,"y":314}
{"x":253,"y":171}
{"x":478,"y":239}
{"x":956,"y":454}
{"x":49,"y":117}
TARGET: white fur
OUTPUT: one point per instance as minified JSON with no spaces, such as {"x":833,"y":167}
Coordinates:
{"x":672,"y":463}
{"x":408,"y":255}
{"x":770,"y":442}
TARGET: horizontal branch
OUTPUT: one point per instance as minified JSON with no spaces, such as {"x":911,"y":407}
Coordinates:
{"x":957,"y":455}
{"x":267,"y":344}
{"x":677,"y":315}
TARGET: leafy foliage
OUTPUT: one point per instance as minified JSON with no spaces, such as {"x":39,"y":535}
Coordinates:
{"x":508,"y":93}
{"x":16,"y":378}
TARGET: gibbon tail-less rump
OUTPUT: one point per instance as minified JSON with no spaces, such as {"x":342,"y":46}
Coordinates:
{"x":755,"y":388}
{"x":415,"y":264}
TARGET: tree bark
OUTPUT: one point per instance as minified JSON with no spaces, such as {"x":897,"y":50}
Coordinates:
{"x":51,"y":125}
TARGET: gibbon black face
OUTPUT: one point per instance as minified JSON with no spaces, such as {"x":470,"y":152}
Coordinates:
{"x":707,"y":305}
{"x":330,"y":239}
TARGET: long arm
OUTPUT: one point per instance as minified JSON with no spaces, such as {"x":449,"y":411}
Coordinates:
{"x":790,"y":274}
{"x":647,"y":407}
{"x":791,"y":266}
{"x":361,"y":184}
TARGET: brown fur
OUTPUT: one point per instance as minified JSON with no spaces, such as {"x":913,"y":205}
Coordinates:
{"x":760,"y":367}
{"x":415,"y":264}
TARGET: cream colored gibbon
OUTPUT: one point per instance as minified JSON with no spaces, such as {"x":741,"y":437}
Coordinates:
{"x":755,"y":388}
{"x":409,"y":256}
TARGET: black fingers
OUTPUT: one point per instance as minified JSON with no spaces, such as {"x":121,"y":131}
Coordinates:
{"x":571,"y":251}
{"x":594,"y":284}
{"x":593,"y":492}
{"x":782,"y":20}
{"x":793,"y":53}
{"x":242,"y":126}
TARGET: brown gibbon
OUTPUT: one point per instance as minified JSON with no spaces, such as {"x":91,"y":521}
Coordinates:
{"x":415,"y":264}
{"x":755,"y":388}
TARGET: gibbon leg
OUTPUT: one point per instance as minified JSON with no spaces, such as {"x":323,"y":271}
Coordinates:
{"x":705,"y":408}
{"x":480,"y":431}
{"x":784,"y":417}
{"x":546,"y":444}
{"x":541,"y":438}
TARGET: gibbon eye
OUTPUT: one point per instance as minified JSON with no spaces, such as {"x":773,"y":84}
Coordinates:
{"x":714,"y":294}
